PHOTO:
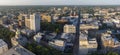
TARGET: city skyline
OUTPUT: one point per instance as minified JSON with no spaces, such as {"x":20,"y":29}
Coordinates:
{"x":60,"y":2}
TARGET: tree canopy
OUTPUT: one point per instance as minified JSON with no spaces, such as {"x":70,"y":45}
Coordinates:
{"x":6,"y":35}
{"x":40,"y":50}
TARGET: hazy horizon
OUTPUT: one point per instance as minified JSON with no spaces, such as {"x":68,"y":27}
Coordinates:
{"x":59,"y":2}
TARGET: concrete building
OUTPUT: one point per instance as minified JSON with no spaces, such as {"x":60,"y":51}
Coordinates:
{"x":87,"y":45}
{"x":107,"y":40}
{"x":4,"y":20}
{"x":58,"y":44}
{"x":3,"y":46}
{"x":86,"y":15}
{"x":18,"y":50}
{"x":68,"y":37}
{"x":18,"y":39}
{"x":27,"y":32}
{"x":21,"y":20}
{"x":35,"y":22}
{"x":69,"y":29}
{"x":50,"y":36}
{"x":92,"y":45}
{"x":38,"y":37}
{"x":46,"y":18}
{"x":83,"y":44}
{"x":88,"y":26}
{"x":27,"y":21}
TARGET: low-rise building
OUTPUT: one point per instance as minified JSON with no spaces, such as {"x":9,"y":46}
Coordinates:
{"x":68,"y":37}
{"x":46,"y":18}
{"x":92,"y":45}
{"x":69,"y":29}
{"x":50,"y":36}
{"x":3,"y":46}
{"x":83,"y":44}
{"x":27,"y":32}
{"x":18,"y":50}
{"x":85,"y":15}
{"x":58,"y":44}
{"x":88,"y":26}
{"x":87,"y":45}
{"x":18,"y":39}
{"x":107,"y":40}
{"x":38,"y":37}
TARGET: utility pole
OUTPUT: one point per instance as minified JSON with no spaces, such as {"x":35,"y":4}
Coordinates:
{"x":76,"y":39}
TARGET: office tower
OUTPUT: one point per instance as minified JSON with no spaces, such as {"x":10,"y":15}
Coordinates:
{"x":27,"y":21}
{"x":35,"y":22}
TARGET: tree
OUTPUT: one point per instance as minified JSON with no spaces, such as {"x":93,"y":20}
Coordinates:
{"x":108,"y":53}
{"x":57,"y":30}
{"x":41,"y":50}
{"x":6,"y":35}
{"x":46,"y":26}
{"x":111,"y":53}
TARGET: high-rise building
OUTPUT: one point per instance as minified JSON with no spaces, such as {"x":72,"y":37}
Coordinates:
{"x":35,"y":22}
{"x":21,"y":20}
{"x":27,"y":21}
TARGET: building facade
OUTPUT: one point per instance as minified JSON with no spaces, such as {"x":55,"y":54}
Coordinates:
{"x":69,"y":29}
{"x":35,"y":22}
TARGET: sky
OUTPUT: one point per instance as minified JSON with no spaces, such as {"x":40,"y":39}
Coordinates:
{"x":59,"y":2}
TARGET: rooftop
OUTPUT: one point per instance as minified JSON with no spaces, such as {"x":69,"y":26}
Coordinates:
{"x":18,"y":50}
{"x":2,"y":43}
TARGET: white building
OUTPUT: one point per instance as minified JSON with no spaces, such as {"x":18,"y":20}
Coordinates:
{"x":108,"y":40}
{"x":69,"y":29}
{"x":92,"y":45}
{"x":68,"y":37}
{"x":18,"y":50}
{"x":35,"y":22}
{"x":27,"y":32}
{"x":58,"y":44}
{"x":117,"y":21}
{"x":86,"y":15}
{"x":3,"y":46}
{"x":38,"y":37}
{"x":83,"y":44}
{"x":88,"y":26}
{"x":86,"y":45}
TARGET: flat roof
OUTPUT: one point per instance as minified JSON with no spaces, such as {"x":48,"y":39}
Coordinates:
{"x":18,"y":50}
{"x":2,"y":43}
